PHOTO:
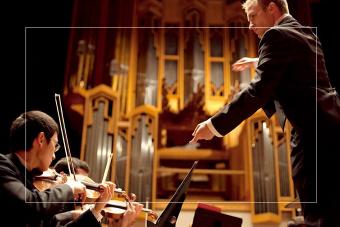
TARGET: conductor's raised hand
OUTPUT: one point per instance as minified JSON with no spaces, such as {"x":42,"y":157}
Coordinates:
{"x":244,"y":63}
{"x":202,"y":132}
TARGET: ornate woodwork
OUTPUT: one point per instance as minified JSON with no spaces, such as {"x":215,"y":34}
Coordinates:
{"x":166,"y":65}
{"x":100,"y":130}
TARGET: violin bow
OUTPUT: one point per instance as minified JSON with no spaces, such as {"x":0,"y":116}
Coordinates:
{"x":107,"y":167}
{"x":64,"y":135}
{"x":119,"y":191}
{"x":127,"y":198}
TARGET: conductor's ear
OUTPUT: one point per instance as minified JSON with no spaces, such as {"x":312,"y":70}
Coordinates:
{"x":272,"y":7}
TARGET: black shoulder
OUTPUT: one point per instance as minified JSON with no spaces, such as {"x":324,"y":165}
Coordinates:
{"x":4,"y":159}
{"x":6,"y":164}
{"x":273,"y":34}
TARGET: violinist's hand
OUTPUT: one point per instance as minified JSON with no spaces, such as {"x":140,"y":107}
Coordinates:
{"x":132,"y":212}
{"x":76,"y":213}
{"x":61,"y":178}
{"x":244,"y":63}
{"x":105,"y":196}
{"x":78,"y":188}
{"x":201,"y":132}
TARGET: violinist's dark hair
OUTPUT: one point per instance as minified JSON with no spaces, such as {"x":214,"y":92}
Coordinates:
{"x":61,"y":165}
{"x":27,"y":127}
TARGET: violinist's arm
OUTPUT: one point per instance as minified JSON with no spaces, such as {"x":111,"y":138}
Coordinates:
{"x":90,"y":217}
{"x":62,"y":219}
{"x":66,"y":219}
{"x":29,"y":201}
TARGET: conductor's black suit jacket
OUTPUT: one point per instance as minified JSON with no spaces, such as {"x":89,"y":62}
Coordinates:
{"x":22,"y":205}
{"x":291,"y":71}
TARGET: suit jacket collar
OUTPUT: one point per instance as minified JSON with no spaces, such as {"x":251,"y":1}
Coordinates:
{"x":15,"y":160}
{"x":25,"y":174}
{"x":281,"y":18}
{"x":287,"y":21}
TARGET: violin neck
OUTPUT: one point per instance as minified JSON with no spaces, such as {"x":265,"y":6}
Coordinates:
{"x":49,"y":178}
{"x":124,"y":207}
{"x":91,"y":186}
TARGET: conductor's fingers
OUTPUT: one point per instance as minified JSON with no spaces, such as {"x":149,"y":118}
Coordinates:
{"x":194,"y":140}
{"x":195,"y":131}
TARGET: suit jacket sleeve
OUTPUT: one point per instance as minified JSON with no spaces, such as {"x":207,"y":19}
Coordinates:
{"x":273,"y":60}
{"x":62,"y":219}
{"x":17,"y":198}
{"x":65,"y":220}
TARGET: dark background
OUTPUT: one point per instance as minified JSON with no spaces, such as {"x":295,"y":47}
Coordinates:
{"x":41,"y":54}
{"x":33,"y":69}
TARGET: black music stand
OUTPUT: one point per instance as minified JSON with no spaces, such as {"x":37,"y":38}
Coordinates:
{"x":208,"y":217}
{"x":169,"y":216}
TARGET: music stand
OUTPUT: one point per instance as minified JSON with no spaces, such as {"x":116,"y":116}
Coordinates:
{"x":211,"y":217}
{"x":169,"y":216}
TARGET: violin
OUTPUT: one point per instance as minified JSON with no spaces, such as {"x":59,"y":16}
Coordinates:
{"x":48,"y":179}
{"x":115,"y":209}
{"x":94,"y":189}
{"x":51,"y":178}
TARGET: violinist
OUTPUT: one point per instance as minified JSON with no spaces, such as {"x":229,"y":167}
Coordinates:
{"x":82,"y":168}
{"x":33,"y":142}
{"x":88,"y":217}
